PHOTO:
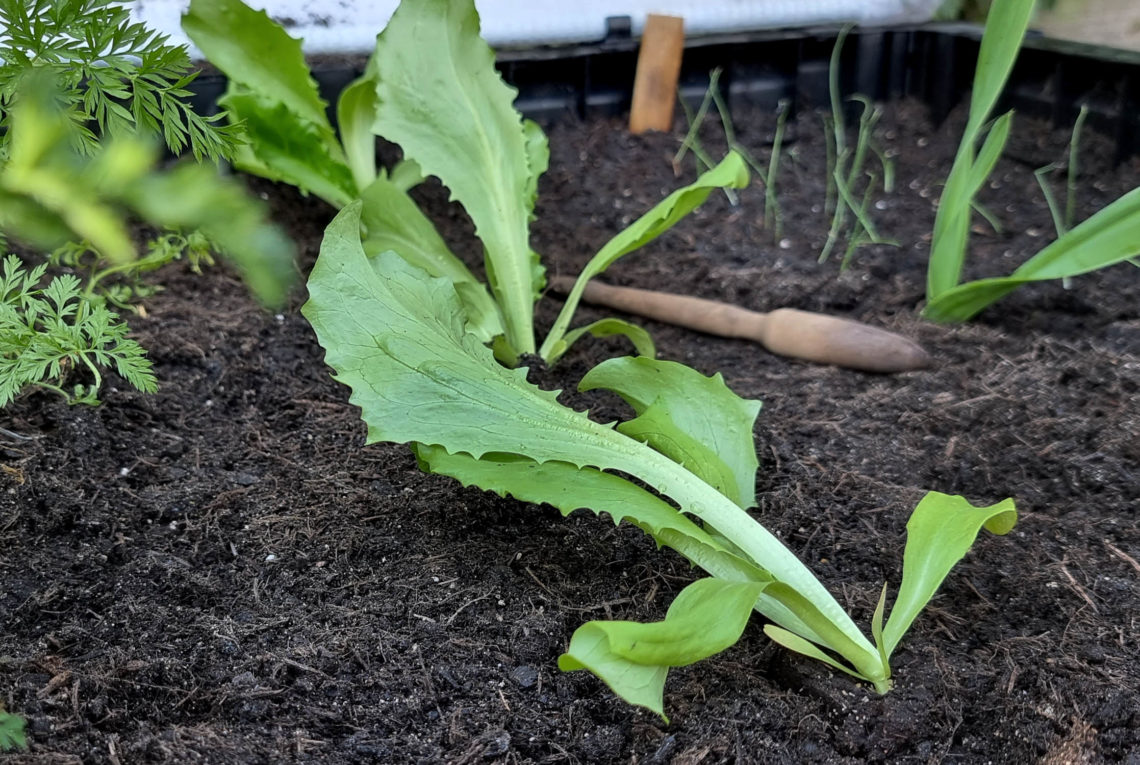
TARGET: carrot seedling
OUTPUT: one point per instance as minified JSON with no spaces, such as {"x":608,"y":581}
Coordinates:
{"x":54,"y":196}
{"x":12,"y":731}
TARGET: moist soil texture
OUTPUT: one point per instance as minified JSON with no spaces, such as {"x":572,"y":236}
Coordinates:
{"x":224,"y":572}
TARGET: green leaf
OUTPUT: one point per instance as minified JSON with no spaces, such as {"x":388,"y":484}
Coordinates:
{"x":118,"y":77}
{"x":707,"y":617}
{"x":570,"y":488}
{"x":1005,"y":29}
{"x":443,"y":102}
{"x":193,"y":197}
{"x":640,"y":684}
{"x":1110,"y":236}
{"x":256,"y":53}
{"x":940,"y":531}
{"x":405,"y":174}
{"x":46,"y":333}
{"x":48,"y":175}
{"x":694,"y":419}
{"x":275,"y":100}
{"x":537,"y":160}
{"x":284,"y":147}
{"x":392,"y":221}
{"x":50,"y":195}
{"x":355,"y":113}
{"x":800,"y":645}
{"x":732,"y":172}
{"x":641,"y":340}
{"x":989,"y":154}
{"x":877,"y":626}
{"x":12,"y":734}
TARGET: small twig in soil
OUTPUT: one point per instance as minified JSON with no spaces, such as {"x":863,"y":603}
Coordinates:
{"x":1077,"y":588}
{"x":1123,"y":556}
{"x":17,"y":436}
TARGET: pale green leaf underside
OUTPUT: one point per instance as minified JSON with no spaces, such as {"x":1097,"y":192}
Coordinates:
{"x":443,"y":102}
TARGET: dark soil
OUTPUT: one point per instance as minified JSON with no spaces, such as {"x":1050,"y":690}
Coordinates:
{"x":224,"y":573}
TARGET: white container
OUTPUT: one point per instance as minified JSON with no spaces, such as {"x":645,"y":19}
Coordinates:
{"x":350,"y":26}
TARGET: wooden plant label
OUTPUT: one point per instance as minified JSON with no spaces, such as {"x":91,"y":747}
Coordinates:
{"x":658,"y":67}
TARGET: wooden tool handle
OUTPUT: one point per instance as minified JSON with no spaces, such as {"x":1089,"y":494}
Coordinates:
{"x":845,"y":343}
{"x":786,"y":331}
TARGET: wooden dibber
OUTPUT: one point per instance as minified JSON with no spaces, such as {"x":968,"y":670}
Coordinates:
{"x":658,"y":67}
{"x":785,"y":331}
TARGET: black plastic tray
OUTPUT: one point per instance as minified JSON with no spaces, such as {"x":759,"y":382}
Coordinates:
{"x":933,"y":63}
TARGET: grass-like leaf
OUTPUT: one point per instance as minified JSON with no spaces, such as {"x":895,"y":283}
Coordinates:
{"x":1110,"y":236}
{"x":1005,"y":29}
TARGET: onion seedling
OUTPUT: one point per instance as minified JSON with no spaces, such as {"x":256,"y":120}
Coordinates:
{"x":846,"y":167}
{"x":1110,"y":236}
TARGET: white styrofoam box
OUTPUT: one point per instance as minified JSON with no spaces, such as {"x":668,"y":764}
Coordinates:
{"x":350,"y":26}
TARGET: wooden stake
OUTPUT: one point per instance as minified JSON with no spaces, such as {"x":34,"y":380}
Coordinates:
{"x":658,"y":67}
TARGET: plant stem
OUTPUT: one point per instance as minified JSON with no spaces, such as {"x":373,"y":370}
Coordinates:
{"x":769,"y":553}
{"x":772,"y":218}
{"x":1051,"y":200}
{"x":1072,"y":173}
{"x":695,"y":121}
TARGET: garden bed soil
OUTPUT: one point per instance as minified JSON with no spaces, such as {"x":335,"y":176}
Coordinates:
{"x":223,"y":572}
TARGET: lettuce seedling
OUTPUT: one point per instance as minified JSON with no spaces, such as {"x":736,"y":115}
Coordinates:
{"x":406,"y":326}
{"x":431,"y":87}
{"x":399,"y":339}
